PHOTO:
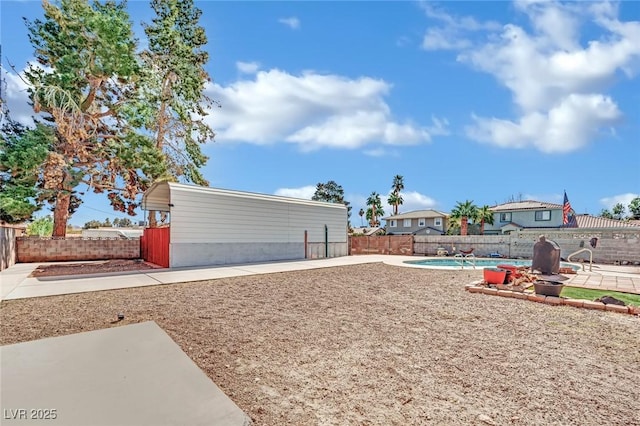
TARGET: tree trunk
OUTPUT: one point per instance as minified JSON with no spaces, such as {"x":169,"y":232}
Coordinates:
{"x":482,"y":227}
{"x":153,"y":223}
{"x":463,"y":226}
{"x":61,"y":214}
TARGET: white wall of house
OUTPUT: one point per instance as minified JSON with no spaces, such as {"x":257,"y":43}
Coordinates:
{"x":211,"y":226}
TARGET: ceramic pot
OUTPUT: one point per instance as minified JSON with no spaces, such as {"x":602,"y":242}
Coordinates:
{"x":547,"y":288}
{"x":494,"y":275}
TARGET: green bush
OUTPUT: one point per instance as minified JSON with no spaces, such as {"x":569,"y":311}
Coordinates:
{"x":41,"y":227}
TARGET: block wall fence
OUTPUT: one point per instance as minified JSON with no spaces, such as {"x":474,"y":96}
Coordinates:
{"x":620,"y":245}
{"x":35,"y":249}
{"x":613,"y":246}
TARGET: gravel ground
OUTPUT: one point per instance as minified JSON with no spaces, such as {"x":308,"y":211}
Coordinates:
{"x":95,"y":267}
{"x":375,"y":345}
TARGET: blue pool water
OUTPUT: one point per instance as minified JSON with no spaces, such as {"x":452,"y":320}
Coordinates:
{"x":452,"y":262}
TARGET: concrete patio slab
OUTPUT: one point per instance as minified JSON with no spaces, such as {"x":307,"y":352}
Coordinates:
{"x":47,"y":286}
{"x":11,"y":277}
{"x":22,"y":286}
{"x":129,"y":375}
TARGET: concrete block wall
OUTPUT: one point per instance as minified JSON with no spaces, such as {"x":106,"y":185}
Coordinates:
{"x":483,"y":245}
{"x":35,"y":249}
{"x":620,"y":245}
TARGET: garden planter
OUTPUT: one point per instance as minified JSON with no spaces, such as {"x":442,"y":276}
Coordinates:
{"x":547,"y":288}
{"x":494,"y":275}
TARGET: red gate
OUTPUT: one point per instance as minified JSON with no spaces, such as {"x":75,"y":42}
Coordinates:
{"x":154,"y":246}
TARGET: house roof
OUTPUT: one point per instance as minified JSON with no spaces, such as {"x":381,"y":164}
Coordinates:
{"x":416,"y":214}
{"x":525,"y":205}
{"x":511,"y":225}
{"x":159,"y":196}
{"x":365,"y":230}
{"x":588,"y":221}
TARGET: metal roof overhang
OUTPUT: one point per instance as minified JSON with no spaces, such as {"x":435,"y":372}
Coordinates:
{"x":157,"y":198}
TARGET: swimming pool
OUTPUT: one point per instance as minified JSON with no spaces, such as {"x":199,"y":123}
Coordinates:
{"x":454,"y":263}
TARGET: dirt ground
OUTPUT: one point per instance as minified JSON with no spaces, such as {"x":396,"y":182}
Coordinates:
{"x":97,"y":267}
{"x":375,"y":345}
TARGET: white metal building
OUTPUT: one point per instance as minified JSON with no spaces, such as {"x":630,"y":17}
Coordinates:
{"x":211,"y":226}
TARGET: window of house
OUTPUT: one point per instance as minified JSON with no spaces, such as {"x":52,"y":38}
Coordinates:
{"x":393,"y":223}
{"x":437,"y":221}
{"x":406,"y":223}
{"x":422,"y":222}
{"x":543,"y":215}
{"x":505,"y":217}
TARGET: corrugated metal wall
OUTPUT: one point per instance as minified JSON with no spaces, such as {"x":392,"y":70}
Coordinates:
{"x":227,"y":218}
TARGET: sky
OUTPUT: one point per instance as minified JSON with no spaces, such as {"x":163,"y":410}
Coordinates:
{"x":481,"y":101}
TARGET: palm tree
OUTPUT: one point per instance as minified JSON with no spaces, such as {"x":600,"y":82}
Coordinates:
{"x":464,"y":211}
{"x":453,"y":225}
{"x":485,"y":215}
{"x":361,"y":213}
{"x":375,"y":209}
{"x":395,"y":199}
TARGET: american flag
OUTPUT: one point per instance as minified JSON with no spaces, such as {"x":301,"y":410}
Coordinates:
{"x":568,"y":215}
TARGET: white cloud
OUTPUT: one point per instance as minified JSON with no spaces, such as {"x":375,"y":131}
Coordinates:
{"x":411,"y":200}
{"x":248,"y":67}
{"x":416,"y":201}
{"x":291,"y":22}
{"x":564,"y":128}
{"x":557,"y":83}
{"x":452,"y":33}
{"x":17,"y":98}
{"x":312,"y":110}
{"x":380,"y":152}
{"x":625,"y":199}
{"x":305,"y":192}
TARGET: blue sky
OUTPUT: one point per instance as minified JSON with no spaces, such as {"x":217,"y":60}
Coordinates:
{"x":479,"y":101}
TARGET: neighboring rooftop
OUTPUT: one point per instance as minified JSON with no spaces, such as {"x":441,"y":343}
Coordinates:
{"x":588,"y":221}
{"x":417,"y":214}
{"x":525,"y":205}
{"x":365,"y":230}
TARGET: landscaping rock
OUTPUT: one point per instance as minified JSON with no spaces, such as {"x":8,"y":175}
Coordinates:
{"x":610,"y":300}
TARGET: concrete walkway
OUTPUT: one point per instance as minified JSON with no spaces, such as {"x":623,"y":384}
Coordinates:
{"x":129,"y":375}
{"x":15,"y":282}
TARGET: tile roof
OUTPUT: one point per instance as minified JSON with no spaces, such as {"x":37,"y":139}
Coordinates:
{"x":365,"y":230}
{"x":417,"y":214}
{"x":588,"y":221}
{"x":525,"y":205}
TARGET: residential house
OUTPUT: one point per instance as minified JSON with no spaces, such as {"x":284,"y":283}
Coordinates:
{"x":528,"y":214}
{"x":509,"y":217}
{"x":417,"y":222}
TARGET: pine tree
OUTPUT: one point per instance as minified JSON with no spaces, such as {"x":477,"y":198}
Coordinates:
{"x":86,"y":76}
{"x":172,"y":102}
